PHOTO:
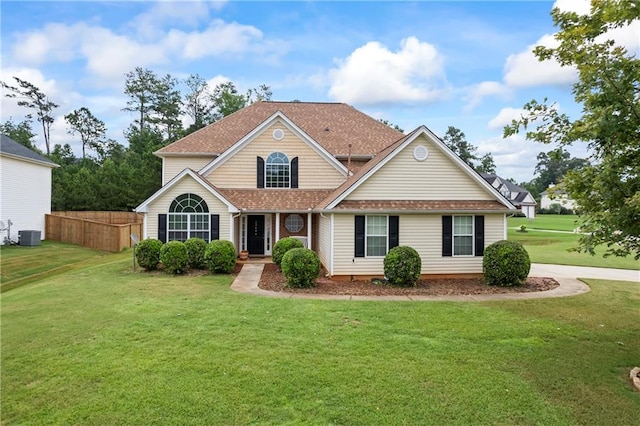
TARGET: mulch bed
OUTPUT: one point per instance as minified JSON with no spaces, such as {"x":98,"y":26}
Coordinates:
{"x":273,"y":280}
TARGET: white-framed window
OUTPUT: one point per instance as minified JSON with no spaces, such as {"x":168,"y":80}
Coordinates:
{"x":376,"y":241}
{"x":277,"y":171}
{"x":188,"y":218}
{"x":463,"y":235}
{"x":294,"y":223}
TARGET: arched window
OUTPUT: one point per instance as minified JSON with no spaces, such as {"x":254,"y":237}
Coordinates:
{"x":277,"y":171}
{"x":188,"y":218}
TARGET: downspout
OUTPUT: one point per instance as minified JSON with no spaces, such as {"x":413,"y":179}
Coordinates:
{"x":232,"y":221}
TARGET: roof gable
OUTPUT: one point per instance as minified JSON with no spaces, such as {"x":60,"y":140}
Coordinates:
{"x":274,"y":118}
{"x":333,"y":126}
{"x":386,"y":156}
{"x":11,"y":148}
{"x":143,"y":207}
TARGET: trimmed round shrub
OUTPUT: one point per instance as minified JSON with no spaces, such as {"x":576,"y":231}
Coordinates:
{"x":173,"y":256}
{"x":283,"y":246}
{"x":506,"y":264}
{"x":195,"y":252}
{"x":220,"y":256}
{"x":301,"y":267}
{"x":148,"y":253}
{"x":402,"y":266}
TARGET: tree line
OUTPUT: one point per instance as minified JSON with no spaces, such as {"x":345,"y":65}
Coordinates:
{"x":110,"y":175}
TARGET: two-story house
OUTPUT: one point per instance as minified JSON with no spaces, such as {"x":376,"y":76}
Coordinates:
{"x":347,"y":185}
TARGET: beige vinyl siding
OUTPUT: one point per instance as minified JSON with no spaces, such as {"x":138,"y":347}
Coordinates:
{"x":239,"y":171}
{"x":423,"y":233}
{"x":436,"y":178}
{"x":187,"y":185}
{"x":172,"y":166}
{"x":324,"y":241}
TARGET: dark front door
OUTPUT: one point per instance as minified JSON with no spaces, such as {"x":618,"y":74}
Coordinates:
{"x":255,"y":234}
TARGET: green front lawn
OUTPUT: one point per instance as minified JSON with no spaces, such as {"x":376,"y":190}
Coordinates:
{"x":102,"y":345}
{"x":553,"y":247}
{"x":24,"y":264}
{"x":556,"y":222}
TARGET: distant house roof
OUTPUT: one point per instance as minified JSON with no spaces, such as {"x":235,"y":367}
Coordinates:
{"x":331,"y":125}
{"x":520,"y":193}
{"x":11,"y":148}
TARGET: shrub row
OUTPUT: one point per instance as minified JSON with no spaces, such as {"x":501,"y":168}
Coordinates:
{"x":219,"y":256}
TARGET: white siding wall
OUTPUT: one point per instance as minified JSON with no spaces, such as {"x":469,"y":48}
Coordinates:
{"x":172,"y":166}
{"x":324,"y":241}
{"x":25,"y":195}
{"x":405,"y":178}
{"x":239,"y":171}
{"x":187,"y":185}
{"x":423,"y":233}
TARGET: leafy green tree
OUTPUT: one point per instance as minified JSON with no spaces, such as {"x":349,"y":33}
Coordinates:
{"x":552,"y":166}
{"x":390,"y":124}
{"x":487,"y":165}
{"x":20,"y":132}
{"x":167,"y":104}
{"x":456,"y":140}
{"x":197,"y":102}
{"x":141,"y":86}
{"x":90,"y":129}
{"x":227,"y":100}
{"x":30,"y":96}
{"x":608,"y":190}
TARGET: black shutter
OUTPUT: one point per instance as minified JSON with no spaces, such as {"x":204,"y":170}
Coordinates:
{"x":162,"y":227}
{"x":394,"y":231}
{"x":479,"y":235}
{"x":294,"y":173}
{"x":359,"y":248}
{"x":260,"y":172}
{"x":215,"y":227}
{"x":447,"y":238}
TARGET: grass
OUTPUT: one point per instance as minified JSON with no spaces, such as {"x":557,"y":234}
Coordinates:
{"x":102,"y":345}
{"x":553,"y":247}
{"x":547,"y":221}
{"x":24,"y":264}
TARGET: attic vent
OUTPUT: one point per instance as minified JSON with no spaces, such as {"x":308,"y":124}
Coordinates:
{"x":420,"y":152}
{"x":278,"y":134}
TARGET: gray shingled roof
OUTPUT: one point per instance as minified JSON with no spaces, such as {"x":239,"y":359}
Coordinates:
{"x":10,"y":147}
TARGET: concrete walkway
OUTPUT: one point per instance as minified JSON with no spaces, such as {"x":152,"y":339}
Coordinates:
{"x":249,"y":277}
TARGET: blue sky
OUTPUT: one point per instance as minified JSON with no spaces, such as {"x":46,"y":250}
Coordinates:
{"x":466,"y":64}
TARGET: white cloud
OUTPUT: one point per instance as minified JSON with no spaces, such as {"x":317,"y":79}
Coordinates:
{"x":110,"y":54}
{"x":486,"y":88}
{"x":581,"y":7}
{"x":373,"y":74}
{"x":219,"y":38}
{"x":524,"y":69}
{"x":151,"y":23}
{"x":504,"y":117}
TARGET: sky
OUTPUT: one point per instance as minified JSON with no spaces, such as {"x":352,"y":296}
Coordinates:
{"x":467,"y":64}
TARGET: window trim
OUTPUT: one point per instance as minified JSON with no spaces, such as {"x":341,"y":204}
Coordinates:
{"x":201,"y":213}
{"x":472,"y":235}
{"x":267,"y":163}
{"x":366,"y":236}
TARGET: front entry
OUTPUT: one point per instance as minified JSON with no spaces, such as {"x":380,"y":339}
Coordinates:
{"x":255,"y":234}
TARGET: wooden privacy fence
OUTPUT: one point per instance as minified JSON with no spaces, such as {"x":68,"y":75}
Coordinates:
{"x":104,"y":217}
{"x":93,"y":234}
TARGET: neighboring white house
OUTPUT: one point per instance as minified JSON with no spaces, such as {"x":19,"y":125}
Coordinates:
{"x":518,"y":196}
{"x":556,"y":196}
{"x":25,"y":183}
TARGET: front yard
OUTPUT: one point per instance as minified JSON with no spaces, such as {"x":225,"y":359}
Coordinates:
{"x":102,"y":345}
